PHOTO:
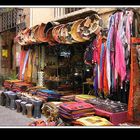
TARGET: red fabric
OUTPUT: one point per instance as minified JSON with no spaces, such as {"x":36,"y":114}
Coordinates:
{"x":134,"y":96}
{"x":76,"y":105}
{"x":131,"y":90}
{"x":99,"y":44}
{"x":105,"y":81}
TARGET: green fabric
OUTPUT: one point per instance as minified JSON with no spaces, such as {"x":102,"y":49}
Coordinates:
{"x":85,"y":96}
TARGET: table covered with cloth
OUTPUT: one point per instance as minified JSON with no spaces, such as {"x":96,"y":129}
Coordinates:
{"x":74,"y":110}
{"x":9,"y":83}
{"x":108,"y":105}
{"x":92,"y":121}
{"x":21,"y":86}
{"x":48,"y":95}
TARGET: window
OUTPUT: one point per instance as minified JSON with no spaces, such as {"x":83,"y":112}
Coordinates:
{"x":58,"y":12}
{"x":69,"y":10}
{"x":9,"y":18}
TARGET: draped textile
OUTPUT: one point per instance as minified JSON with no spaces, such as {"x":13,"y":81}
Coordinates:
{"x":105,"y":81}
{"x":119,"y":53}
{"x":34,"y":65}
{"x":108,"y":44}
{"x":28,"y":71}
{"x":22,"y":57}
{"x":134,"y":92}
{"x":25,"y":64}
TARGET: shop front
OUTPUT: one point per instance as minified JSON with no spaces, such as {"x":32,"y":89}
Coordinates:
{"x":78,"y":73}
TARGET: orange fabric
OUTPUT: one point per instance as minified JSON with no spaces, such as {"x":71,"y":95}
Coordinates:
{"x":99,"y":44}
{"x":135,"y":40}
{"x":28,"y":71}
{"x":134,"y":96}
{"x":131,"y":90}
{"x":105,"y":82}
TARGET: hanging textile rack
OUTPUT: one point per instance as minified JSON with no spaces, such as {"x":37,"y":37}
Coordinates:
{"x":125,"y":9}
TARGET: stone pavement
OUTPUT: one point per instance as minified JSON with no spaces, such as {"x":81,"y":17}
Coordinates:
{"x":12,"y":118}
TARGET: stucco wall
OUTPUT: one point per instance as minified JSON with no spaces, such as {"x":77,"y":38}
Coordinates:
{"x":39,"y":15}
{"x":26,"y":11}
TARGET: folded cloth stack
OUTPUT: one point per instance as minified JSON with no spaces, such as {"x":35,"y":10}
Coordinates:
{"x":28,"y":97}
{"x":73,"y":110}
{"x":108,"y":105}
{"x":21,"y":86}
{"x":68,"y":98}
{"x":37,"y":123}
{"x":83,"y":97}
{"x":58,"y":122}
{"x":9,"y":83}
{"x":33,"y":90}
{"x":50,"y":110}
{"x":92,"y":121}
{"x":48,"y":95}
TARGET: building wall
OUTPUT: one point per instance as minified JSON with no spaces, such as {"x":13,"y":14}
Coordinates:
{"x":36,"y":16}
{"x":26,"y":11}
{"x":39,"y":15}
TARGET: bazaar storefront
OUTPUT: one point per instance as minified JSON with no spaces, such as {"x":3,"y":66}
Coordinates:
{"x":78,"y":73}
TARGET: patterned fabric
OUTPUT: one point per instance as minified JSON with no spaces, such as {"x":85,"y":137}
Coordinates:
{"x":134,"y":94}
{"x":108,"y":105}
{"x":75,"y":110}
{"x":9,"y":83}
{"x":48,"y":95}
{"x":21,"y":86}
{"x":84,"y":97}
{"x":50,"y":109}
{"x":73,"y":106}
{"x":28,"y":72}
{"x":93,"y":121}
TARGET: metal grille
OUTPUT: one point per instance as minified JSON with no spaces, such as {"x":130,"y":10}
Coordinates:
{"x":69,"y":10}
{"x":58,"y":12}
{"x":10,"y":19}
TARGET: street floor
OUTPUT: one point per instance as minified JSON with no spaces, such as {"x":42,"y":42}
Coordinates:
{"x":12,"y":118}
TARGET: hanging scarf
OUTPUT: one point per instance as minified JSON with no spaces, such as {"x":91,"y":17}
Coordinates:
{"x":119,"y":53}
{"x":96,"y":79}
{"x":108,"y":45}
{"x":128,"y":31}
{"x":34,"y":66}
{"x":105,"y":82}
{"x":25,"y":63}
{"x":42,"y":57}
{"x":95,"y":51}
{"x":102,"y":66}
{"x":28,"y":72}
{"x":21,"y":62}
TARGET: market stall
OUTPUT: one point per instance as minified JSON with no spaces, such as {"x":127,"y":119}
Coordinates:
{"x":76,"y":73}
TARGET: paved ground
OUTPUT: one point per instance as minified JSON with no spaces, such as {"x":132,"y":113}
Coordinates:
{"x":12,"y":118}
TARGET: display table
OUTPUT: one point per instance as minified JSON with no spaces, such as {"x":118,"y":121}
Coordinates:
{"x":115,"y":118}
